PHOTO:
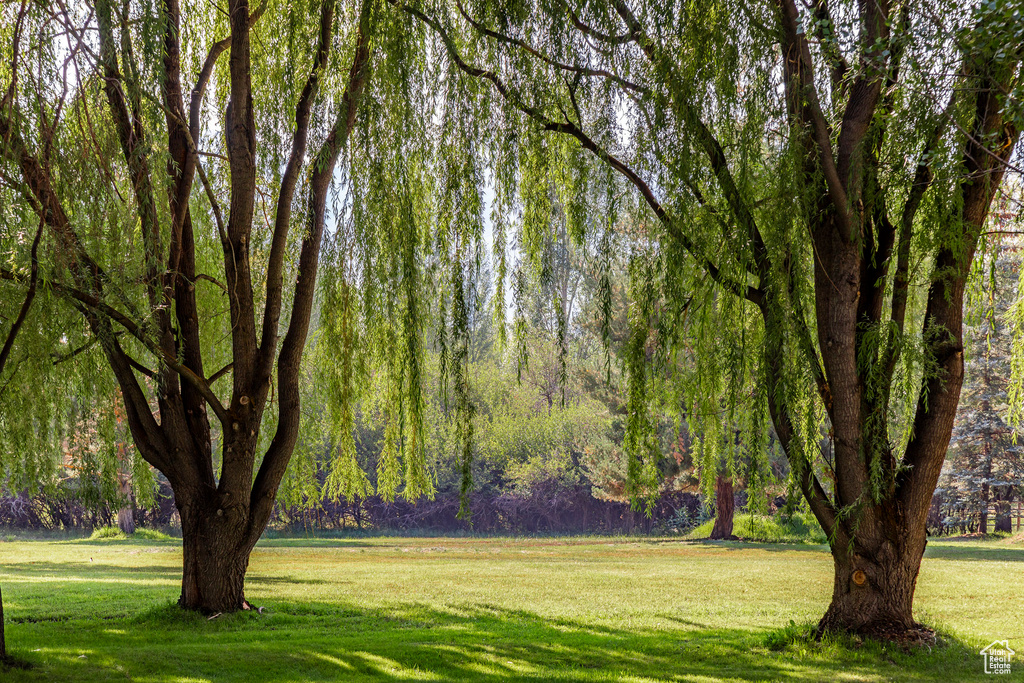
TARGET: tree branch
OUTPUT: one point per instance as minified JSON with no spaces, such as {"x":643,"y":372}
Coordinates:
{"x":12,"y":334}
{"x":594,"y":33}
{"x":275,"y":461}
{"x":748,"y":292}
{"x":529,"y":49}
{"x":825,"y":32}
{"x":282,"y":219}
{"x":805,"y":110}
{"x":131,"y":327}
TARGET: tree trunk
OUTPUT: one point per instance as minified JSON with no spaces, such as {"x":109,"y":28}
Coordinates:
{"x":126,"y":515}
{"x":1003,"y":516}
{"x":983,"y":524}
{"x":985,"y":488}
{"x":216,"y":552}
{"x":126,"y":520}
{"x":724,"y":508}
{"x":873,"y":589}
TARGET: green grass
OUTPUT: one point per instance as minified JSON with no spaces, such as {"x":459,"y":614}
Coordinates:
{"x":488,"y":609}
{"x":799,"y":528}
{"x":113,"y":533}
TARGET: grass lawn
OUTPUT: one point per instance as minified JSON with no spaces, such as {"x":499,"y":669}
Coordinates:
{"x":484,"y":609}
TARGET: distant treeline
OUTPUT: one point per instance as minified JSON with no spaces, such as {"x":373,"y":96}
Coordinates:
{"x":552,"y":509}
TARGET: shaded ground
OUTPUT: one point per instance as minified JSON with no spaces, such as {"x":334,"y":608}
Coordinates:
{"x":486,"y":609}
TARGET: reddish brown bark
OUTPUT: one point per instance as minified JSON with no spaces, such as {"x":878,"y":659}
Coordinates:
{"x":724,"y":508}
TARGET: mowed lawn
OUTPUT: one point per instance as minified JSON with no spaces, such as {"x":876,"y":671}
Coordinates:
{"x":483,"y":609}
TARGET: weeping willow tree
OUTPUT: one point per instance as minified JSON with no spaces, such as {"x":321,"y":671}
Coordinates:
{"x":174,"y":236}
{"x":808,"y":182}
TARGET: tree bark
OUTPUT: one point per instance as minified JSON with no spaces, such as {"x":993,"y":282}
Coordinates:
{"x":126,"y":515}
{"x":126,"y":520}
{"x":724,"y":508}
{"x":1003,"y":516}
{"x":874,"y":583}
{"x":983,"y":526}
{"x":216,"y":545}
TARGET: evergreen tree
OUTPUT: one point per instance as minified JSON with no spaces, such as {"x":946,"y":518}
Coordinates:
{"x":985,"y":463}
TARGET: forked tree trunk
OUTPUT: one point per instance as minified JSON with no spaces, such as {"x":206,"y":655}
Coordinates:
{"x":216,"y":551}
{"x":724,"y":508}
{"x":873,"y":588}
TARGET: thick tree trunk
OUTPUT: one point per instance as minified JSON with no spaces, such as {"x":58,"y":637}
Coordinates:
{"x":724,"y":508}
{"x":216,"y":552}
{"x":873,"y":589}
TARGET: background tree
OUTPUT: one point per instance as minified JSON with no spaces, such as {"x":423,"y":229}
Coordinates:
{"x":985,"y":464}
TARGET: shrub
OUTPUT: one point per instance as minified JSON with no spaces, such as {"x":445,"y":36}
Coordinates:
{"x":108,"y":533}
{"x":151,"y":535}
{"x":798,"y":528}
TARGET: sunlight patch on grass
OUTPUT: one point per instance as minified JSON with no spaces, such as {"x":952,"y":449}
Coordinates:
{"x":332,"y":660}
{"x":395,"y":669}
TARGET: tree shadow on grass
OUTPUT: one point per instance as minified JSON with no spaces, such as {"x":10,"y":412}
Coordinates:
{"x":89,"y":569}
{"x":254,"y":579}
{"x":974,"y":553}
{"x":326,"y":542}
{"x":318,"y":641}
{"x":762,"y":545}
{"x":932,"y":552}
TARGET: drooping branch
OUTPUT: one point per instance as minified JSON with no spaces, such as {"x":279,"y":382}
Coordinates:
{"x":824,"y":28}
{"x":591,"y":32}
{"x":89,"y":278}
{"x":33,"y":281}
{"x":275,"y":461}
{"x":985,"y":151}
{"x":706,"y":139}
{"x":550,"y":61}
{"x":570,"y":128}
{"x":817,"y":498}
{"x":91,"y":302}
{"x":805,"y":111}
{"x":282,"y":218}
{"x":132,"y":136}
